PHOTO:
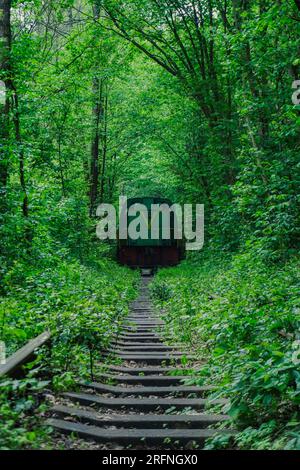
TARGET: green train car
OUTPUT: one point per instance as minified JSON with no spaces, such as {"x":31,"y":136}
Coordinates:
{"x":151,"y":253}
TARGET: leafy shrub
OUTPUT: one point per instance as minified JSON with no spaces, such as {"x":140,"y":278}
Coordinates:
{"x":20,"y":402}
{"x":161,"y":291}
{"x":82,"y":305}
{"x":243,"y":316}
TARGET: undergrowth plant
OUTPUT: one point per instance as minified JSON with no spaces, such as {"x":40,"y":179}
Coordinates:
{"x":243,"y":316}
{"x":82,"y":305}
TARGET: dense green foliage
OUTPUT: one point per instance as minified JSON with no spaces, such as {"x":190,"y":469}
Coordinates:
{"x":185,"y":99}
{"x":179,"y":100}
{"x":20,"y":402}
{"x":244,"y":318}
{"x":74,"y":301}
{"x":82,"y":306}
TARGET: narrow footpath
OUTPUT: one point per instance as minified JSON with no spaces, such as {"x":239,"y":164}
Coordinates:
{"x":143,"y":401}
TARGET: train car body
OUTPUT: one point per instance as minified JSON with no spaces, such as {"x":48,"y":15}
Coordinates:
{"x":151,"y":253}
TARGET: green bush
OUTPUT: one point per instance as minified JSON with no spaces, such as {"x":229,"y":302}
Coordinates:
{"x":82,"y":305}
{"x":243,"y":316}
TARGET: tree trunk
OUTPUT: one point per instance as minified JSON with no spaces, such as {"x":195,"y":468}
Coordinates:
{"x":104,"y":152}
{"x":11,"y":101}
{"x":17,"y":125}
{"x":97,"y":117}
{"x":60,"y":162}
{"x":5,"y":75}
{"x":98,"y":113}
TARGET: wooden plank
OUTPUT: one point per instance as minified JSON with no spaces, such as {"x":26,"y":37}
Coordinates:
{"x":142,"y":370}
{"x":129,"y":328}
{"x":150,"y":334}
{"x":150,"y":390}
{"x":24,"y":355}
{"x":137,"y":337}
{"x":147,"y":272}
{"x":142,"y":306}
{"x":136,"y":347}
{"x":139,"y":420}
{"x":169,"y":354}
{"x":151,"y":359}
{"x":142,"y":318}
{"x":143,"y":403}
{"x":141,"y":343}
{"x":144,"y":339}
{"x":144,"y":322}
{"x":157,"y":380}
{"x":130,"y":436}
{"x":138,"y":330}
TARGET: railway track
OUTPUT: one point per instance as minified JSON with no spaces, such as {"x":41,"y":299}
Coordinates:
{"x":140,"y":403}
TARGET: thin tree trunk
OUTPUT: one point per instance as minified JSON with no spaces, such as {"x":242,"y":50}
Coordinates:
{"x":97,"y":120}
{"x":104,"y":153}
{"x":97,"y":117}
{"x":60,"y":125}
{"x":61,"y":170}
{"x":17,"y":125}
{"x":5,"y":76}
{"x":112,"y":177}
{"x":11,"y":94}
